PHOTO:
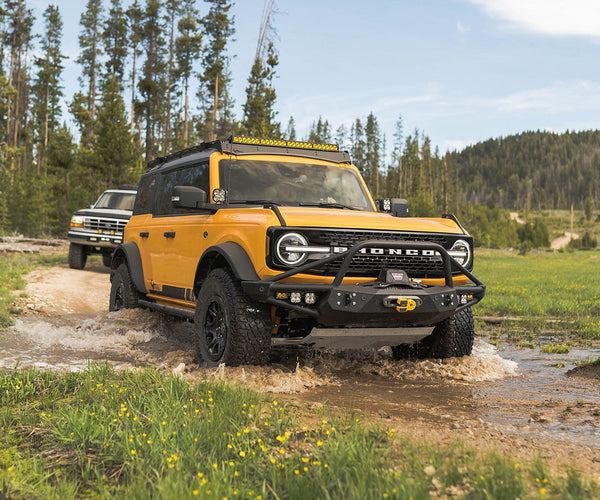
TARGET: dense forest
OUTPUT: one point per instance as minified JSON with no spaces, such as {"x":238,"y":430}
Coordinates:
{"x":155,"y":78}
{"x":536,"y":170}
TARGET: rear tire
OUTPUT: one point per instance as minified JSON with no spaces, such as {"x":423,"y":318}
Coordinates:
{"x":230,"y":328}
{"x":123,"y":294}
{"x":77,"y":256}
{"x":451,"y":338}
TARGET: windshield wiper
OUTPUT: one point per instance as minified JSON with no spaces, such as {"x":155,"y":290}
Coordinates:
{"x":254,"y":202}
{"x":326,"y":204}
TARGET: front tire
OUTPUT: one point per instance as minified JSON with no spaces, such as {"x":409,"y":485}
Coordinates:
{"x":106,"y":259}
{"x":123,"y":294}
{"x":77,"y":256}
{"x":229,"y":327}
{"x":452,"y":338}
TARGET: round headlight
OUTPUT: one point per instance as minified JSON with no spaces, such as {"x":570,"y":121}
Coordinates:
{"x":288,"y":251}
{"x":461,"y":252}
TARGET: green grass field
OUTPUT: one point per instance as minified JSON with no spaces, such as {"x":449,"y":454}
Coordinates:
{"x":563,"y":287}
{"x":145,"y":434}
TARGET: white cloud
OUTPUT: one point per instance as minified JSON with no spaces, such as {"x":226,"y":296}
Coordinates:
{"x":462,"y":28}
{"x":548,"y":17}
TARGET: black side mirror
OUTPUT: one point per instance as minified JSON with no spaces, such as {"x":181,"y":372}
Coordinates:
{"x":91,"y":205}
{"x":398,"y":207}
{"x":188,"y":197}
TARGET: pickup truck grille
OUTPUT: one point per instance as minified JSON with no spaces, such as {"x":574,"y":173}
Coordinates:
{"x":104,"y":224}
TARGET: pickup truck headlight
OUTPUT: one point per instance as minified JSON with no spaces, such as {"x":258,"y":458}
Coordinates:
{"x":76,"y":221}
{"x":461,"y":252}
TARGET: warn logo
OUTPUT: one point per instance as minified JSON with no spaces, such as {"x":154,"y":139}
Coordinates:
{"x":391,"y":251}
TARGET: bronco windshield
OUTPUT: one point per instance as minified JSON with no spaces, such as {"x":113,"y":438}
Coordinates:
{"x":294,"y":184}
{"x":116,"y":201}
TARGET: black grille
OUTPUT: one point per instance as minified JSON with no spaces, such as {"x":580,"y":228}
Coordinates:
{"x":365,"y":264}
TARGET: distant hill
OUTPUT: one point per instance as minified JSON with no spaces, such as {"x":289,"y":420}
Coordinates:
{"x":551,"y":170}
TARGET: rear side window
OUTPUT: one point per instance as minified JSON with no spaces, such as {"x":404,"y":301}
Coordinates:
{"x":196,"y":176}
{"x":143,"y":200}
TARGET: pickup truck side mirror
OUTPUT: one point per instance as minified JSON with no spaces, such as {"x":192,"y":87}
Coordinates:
{"x":188,"y":197}
{"x":398,"y":207}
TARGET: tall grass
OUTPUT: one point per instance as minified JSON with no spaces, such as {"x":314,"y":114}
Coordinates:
{"x":146,"y":434}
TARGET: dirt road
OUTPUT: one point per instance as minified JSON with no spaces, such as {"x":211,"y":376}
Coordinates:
{"x":510,"y":400}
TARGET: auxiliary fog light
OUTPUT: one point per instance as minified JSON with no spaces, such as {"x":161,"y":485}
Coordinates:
{"x":281,"y":295}
{"x":310,"y":297}
{"x":465,"y":298}
{"x":295,"y":297}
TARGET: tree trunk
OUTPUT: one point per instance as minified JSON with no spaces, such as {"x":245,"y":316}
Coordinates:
{"x":185,"y":119}
{"x":133,"y":94}
{"x":167,"y":141}
{"x":213,"y":131}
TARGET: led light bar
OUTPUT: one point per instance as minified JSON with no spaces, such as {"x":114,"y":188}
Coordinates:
{"x":281,"y":143}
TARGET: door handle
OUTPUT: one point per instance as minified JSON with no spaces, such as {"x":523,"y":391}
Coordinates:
{"x":169,"y":234}
{"x":144,"y":234}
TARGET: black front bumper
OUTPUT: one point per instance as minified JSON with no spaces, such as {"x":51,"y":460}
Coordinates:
{"x":373,"y":303}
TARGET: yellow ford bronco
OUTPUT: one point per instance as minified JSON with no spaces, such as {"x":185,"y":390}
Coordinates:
{"x":266,"y":242}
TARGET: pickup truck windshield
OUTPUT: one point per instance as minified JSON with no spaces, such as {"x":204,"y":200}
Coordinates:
{"x":116,"y":201}
{"x":292,"y":184}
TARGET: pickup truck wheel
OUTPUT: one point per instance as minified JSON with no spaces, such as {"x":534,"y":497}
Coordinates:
{"x":77,"y":256}
{"x":229,"y":327}
{"x":123,"y":294}
{"x":106,"y":259}
{"x":451,"y":338}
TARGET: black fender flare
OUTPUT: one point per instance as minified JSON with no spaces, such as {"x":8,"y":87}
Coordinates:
{"x":235,"y":256}
{"x":130,"y":253}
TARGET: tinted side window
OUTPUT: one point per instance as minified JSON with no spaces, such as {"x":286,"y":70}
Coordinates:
{"x":143,"y":200}
{"x":196,"y":175}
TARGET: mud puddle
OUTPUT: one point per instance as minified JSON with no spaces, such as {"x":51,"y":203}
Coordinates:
{"x":519,"y":399}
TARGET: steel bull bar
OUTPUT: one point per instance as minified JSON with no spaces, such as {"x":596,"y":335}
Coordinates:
{"x":373,"y":303}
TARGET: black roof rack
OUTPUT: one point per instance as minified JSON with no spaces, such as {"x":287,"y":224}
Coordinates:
{"x":239,"y":149}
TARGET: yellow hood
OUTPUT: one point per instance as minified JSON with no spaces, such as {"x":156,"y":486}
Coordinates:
{"x":334,"y":218}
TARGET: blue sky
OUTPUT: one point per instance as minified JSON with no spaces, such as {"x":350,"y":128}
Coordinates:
{"x":461,"y":71}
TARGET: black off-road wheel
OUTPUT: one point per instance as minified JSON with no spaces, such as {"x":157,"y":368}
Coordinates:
{"x":451,"y":338}
{"x":123,"y":294}
{"x":106,"y":259}
{"x":230,"y":328}
{"x":77,"y":256}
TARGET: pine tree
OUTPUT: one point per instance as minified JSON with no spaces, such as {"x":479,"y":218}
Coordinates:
{"x":115,"y":41}
{"x":187,"y":50}
{"x":373,"y":153}
{"x":320,"y":132}
{"x":259,"y":112}
{"x":135,"y":17}
{"x":290,"y":131}
{"x":47,"y":90}
{"x":152,"y":84}
{"x":214,"y":80}
{"x":89,"y":43}
{"x":17,"y":39}
{"x":114,"y":150}
{"x":358,"y":148}
{"x":173,"y":12}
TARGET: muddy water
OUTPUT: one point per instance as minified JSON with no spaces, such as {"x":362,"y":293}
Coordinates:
{"x":517,"y":391}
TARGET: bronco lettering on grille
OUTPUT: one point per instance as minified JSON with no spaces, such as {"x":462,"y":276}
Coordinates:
{"x":390,"y":251}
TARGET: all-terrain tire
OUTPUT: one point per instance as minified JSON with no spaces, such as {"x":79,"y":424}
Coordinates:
{"x":230,"y":328}
{"x":123,"y":294}
{"x":77,"y":256}
{"x":106,"y":259}
{"x":451,"y":338}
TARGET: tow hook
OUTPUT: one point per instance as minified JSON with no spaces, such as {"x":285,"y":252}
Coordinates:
{"x":402,"y":303}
